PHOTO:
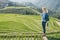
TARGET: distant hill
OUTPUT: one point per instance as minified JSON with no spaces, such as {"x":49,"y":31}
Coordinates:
{"x":3,"y":3}
{"x":20,"y":10}
{"x":52,"y":5}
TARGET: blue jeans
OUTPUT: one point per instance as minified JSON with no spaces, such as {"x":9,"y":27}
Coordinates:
{"x":44,"y":26}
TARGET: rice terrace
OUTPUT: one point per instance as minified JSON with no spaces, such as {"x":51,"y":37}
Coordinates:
{"x":16,"y":26}
{"x":22,"y":19}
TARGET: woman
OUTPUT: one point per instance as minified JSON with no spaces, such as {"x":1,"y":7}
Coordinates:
{"x":45,"y":18}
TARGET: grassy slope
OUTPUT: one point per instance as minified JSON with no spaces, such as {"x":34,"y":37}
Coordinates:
{"x":24,"y":23}
{"x":16,"y":22}
{"x":19,"y":10}
{"x":28,"y":23}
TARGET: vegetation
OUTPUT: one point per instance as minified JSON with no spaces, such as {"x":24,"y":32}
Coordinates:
{"x":17,"y":22}
{"x":12,"y":20}
{"x":19,"y":10}
{"x":28,"y":23}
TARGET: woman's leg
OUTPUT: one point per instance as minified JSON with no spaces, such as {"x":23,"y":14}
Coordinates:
{"x":44,"y":27}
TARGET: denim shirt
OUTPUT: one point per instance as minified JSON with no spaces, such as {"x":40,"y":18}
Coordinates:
{"x":44,"y":15}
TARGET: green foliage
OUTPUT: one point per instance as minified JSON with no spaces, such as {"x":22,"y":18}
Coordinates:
{"x":28,"y":23}
{"x":24,"y":23}
{"x":20,"y":10}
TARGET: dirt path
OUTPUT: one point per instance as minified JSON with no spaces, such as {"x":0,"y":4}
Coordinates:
{"x":58,"y":23}
{"x":45,"y":38}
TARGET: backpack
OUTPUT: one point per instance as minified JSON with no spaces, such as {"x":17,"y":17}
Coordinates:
{"x":46,"y":17}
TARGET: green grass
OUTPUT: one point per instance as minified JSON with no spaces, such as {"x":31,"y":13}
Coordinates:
{"x":54,"y":36}
{"x":25,"y":23}
{"x":19,"y":10}
{"x":28,"y":23}
{"x":21,"y":23}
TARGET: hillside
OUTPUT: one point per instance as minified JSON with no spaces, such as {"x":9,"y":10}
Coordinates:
{"x":25,"y":23}
{"x":17,"y":18}
{"x":20,"y":10}
{"x":52,"y":5}
{"x":28,"y":23}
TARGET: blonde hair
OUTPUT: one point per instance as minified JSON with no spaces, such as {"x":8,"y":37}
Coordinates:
{"x":44,"y":9}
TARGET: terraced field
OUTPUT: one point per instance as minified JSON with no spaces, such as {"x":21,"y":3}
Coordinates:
{"x":28,"y":23}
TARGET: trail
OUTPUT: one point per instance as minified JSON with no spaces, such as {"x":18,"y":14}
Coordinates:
{"x":45,"y":38}
{"x":58,"y":23}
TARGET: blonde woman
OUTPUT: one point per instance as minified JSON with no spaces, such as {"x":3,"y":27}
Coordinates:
{"x":45,"y":18}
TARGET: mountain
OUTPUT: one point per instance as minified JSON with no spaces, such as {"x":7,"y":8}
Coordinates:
{"x":3,"y":3}
{"x":19,"y":10}
{"x":52,"y":5}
